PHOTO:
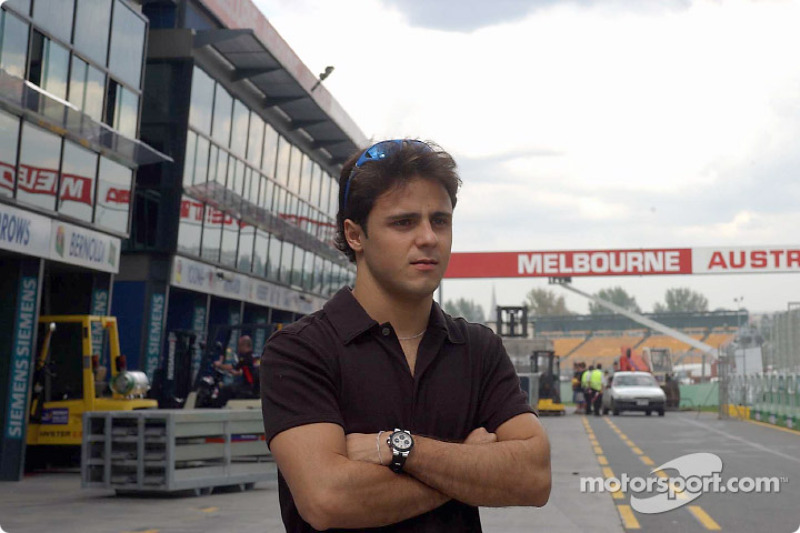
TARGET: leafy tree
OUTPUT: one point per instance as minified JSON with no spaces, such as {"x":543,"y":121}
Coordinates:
{"x":466,"y":308}
{"x":544,"y":302}
{"x":682,"y":300}
{"x":617,"y":296}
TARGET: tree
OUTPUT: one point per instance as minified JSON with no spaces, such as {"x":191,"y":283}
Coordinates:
{"x":466,"y":308}
{"x":682,"y":300}
{"x":544,"y":302}
{"x":617,"y":296}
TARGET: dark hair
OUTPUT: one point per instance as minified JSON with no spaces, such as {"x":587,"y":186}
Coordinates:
{"x":373,"y":178}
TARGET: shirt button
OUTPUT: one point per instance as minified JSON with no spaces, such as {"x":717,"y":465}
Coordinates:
{"x":386,"y":331}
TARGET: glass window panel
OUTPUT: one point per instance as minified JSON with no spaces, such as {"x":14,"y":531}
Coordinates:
{"x":265,"y":194}
{"x":287,"y":250}
{"x":189,"y":160}
{"x":38,"y":167}
{"x":126,"y":111}
{"x":86,"y":88}
{"x":127,"y":45}
{"x":92,"y":21}
{"x":251,"y":182}
{"x":55,"y":17}
{"x":315,"y":184}
{"x":282,"y":165}
{"x":13,"y":44}
{"x":202,"y":100}
{"x":260,"y":253}
{"x":247,"y":235}
{"x":212,"y":234}
{"x":333,"y":198}
{"x":201,"y":161}
{"x":236,"y":169}
{"x":255,"y":140}
{"x":325,"y":190}
{"x":49,"y":65}
{"x":297,"y":267}
{"x":295,"y":166}
{"x":306,"y":176}
{"x":9,"y":137}
{"x":191,"y":226}
{"x":308,"y":271}
{"x":113,"y":195}
{"x":270,"y":150}
{"x":230,"y":241}
{"x":319,"y":272}
{"x":223,"y":106}
{"x":274,"y":259}
{"x":218,"y":166}
{"x":241,"y":124}
{"x":78,"y":170}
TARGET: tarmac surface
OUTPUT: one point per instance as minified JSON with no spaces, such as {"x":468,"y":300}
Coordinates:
{"x":56,"y":502}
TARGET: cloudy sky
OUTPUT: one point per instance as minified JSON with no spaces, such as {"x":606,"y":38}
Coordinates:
{"x":581,"y":124}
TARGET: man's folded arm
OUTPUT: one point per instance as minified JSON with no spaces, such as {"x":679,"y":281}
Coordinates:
{"x":332,"y":491}
{"x":515,"y":470}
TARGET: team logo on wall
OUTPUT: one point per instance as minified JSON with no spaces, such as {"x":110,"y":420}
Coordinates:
{"x":60,"y":237}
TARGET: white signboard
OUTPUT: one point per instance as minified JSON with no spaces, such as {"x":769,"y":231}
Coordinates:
{"x":84,"y":247}
{"x":745,"y":259}
{"x":24,"y":232}
{"x":197,"y":276}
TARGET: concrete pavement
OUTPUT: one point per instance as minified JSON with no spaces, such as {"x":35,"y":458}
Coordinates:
{"x":56,"y":502}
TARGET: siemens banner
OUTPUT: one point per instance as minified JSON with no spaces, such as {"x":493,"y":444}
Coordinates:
{"x":154,"y":328}
{"x":20,"y":370}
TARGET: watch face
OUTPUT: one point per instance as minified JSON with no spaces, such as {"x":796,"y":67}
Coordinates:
{"x":401,"y":441}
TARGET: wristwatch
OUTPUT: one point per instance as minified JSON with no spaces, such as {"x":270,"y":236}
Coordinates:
{"x":401,"y":442}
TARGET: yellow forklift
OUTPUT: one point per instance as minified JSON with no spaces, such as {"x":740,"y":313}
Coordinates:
{"x":70,"y":378}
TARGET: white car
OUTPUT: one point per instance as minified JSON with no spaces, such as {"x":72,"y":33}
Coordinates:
{"x":634,"y":391}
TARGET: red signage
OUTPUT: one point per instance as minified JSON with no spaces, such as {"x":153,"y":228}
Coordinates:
{"x":642,"y":262}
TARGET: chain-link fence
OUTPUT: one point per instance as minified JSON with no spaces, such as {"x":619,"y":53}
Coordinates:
{"x":782,"y":351}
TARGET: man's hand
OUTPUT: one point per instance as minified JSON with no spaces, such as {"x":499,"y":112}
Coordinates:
{"x":480,"y":436}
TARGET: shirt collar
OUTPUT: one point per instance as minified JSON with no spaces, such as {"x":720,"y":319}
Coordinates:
{"x":350,"y":320}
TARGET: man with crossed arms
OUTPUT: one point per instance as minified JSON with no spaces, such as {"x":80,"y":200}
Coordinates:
{"x":382,"y":411}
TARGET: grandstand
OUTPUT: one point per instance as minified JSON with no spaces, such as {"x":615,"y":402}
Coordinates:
{"x":600,"y":338}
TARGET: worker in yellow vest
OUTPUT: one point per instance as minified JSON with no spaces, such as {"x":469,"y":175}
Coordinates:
{"x":596,"y":384}
{"x":587,"y":390}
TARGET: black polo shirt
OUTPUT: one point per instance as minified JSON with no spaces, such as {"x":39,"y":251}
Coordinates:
{"x":338,"y":365}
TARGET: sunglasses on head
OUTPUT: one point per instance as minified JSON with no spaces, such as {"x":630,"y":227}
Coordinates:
{"x":379,"y":151}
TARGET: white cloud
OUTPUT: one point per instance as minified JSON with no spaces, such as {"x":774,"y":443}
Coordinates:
{"x":582,"y":127}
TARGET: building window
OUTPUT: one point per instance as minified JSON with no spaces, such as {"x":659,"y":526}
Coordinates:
{"x":223,"y":107}
{"x":265,"y":194}
{"x":247,"y":235}
{"x":13,"y":44}
{"x":308,"y":271}
{"x":9,"y":137}
{"x":127,"y":45}
{"x":212,"y":234}
{"x":122,"y":109}
{"x":333,"y":198}
{"x":78,"y":170}
{"x":202,"y":101}
{"x":274,"y":260}
{"x":319,"y":275}
{"x":230,"y":241}
{"x":92,"y":21}
{"x":270,"y":150}
{"x":113,"y":195}
{"x":86,"y":88}
{"x":49,"y":65}
{"x":261,"y":265}
{"x":255,"y":140}
{"x":241,"y":124}
{"x":38,"y":167}
{"x":189,"y":159}
{"x":55,"y":17}
{"x":282,"y":164}
{"x":287,"y":251}
{"x":190,"y":227}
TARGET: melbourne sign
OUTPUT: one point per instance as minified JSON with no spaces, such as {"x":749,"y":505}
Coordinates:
{"x":634,"y":262}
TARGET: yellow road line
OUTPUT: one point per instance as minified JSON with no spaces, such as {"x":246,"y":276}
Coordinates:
{"x":646,"y":460}
{"x":703,"y":518}
{"x":598,"y":450}
{"x":602,"y":459}
{"x":209,"y":509}
{"x":637,"y":450}
{"x":628,"y":519}
{"x":773,"y":426}
{"x":608,"y":474}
